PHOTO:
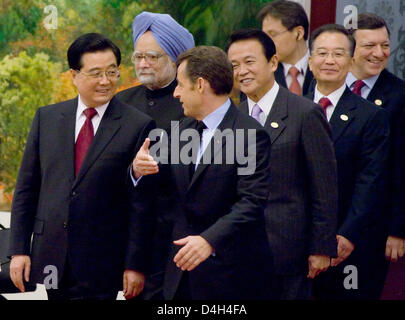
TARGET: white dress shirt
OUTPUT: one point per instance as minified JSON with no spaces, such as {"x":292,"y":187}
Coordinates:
{"x":370,"y":82}
{"x":333,"y":97}
{"x":81,"y":118}
{"x":301,"y":65}
{"x":265,"y":103}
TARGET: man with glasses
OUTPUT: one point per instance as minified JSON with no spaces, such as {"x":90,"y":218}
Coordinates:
{"x":360,"y":134}
{"x":158,"y":40}
{"x":286,"y":23}
{"x":72,"y":193}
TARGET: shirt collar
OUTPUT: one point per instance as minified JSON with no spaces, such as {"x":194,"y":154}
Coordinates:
{"x":370,"y":82}
{"x":301,"y":65}
{"x":213,"y":120}
{"x":333,"y":97}
{"x":266,"y":102}
{"x":81,"y":107}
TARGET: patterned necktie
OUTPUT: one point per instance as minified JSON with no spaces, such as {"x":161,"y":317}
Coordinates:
{"x":325,"y":103}
{"x":200,"y":128}
{"x":295,"y":85}
{"x":256,"y":111}
{"x":84,"y":138}
{"x":357,"y":87}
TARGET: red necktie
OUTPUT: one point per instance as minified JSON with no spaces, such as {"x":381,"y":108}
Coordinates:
{"x":325,"y":103}
{"x":357,"y":87}
{"x":84,"y":138}
{"x":295,"y":85}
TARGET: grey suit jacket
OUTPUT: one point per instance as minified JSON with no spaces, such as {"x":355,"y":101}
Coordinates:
{"x":301,"y":212}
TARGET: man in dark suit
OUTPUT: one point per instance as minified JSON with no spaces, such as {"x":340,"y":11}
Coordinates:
{"x":360,"y":133}
{"x":158,"y":40}
{"x":370,"y":79}
{"x":219,"y":248}
{"x":286,"y":23}
{"x":302,"y":205}
{"x":72,"y":193}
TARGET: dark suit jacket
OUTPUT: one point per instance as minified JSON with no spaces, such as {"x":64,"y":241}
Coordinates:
{"x":226,"y":209}
{"x":361,"y":147}
{"x":390,"y":90}
{"x":93,"y":218}
{"x":280,"y":78}
{"x":302,"y":205}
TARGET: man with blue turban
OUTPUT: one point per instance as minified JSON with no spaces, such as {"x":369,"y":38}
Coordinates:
{"x":158,"y":40}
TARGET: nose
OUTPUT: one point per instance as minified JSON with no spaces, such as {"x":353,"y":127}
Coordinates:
{"x":243,"y":70}
{"x":104,"y":79}
{"x":378,"y":51}
{"x":330,"y":59}
{"x":176,"y":93}
{"x":143,"y":63}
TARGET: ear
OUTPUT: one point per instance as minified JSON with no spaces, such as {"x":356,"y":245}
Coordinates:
{"x":300,"y":32}
{"x":200,"y":84}
{"x":74,"y":75}
{"x":310,"y":62}
{"x":273,"y":63}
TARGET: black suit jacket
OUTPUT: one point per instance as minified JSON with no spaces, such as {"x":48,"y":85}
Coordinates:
{"x":226,"y":209}
{"x":389,"y":93}
{"x":93,"y":218}
{"x":360,"y":133}
{"x":280,"y":78}
{"x":301,"y":211}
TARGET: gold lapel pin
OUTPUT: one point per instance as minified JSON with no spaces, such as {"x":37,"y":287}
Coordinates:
{"x":378,"y":102}
{"x":344,"y":117}
{"x":274,"y":125}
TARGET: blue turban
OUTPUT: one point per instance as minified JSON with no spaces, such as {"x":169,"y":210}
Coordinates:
{"x":168,"y":33}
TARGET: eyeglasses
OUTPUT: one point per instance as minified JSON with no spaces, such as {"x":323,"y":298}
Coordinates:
{"x":336,"y":54}
{"x":111,"y":74}
{"x":150,"y":57}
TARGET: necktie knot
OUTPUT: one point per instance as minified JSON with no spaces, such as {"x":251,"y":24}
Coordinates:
{"x":200,"y":127}
{"x":357,"y":87}
{"x":325,"y":103}
{"x":256,"y":111}
{"x":293,"y":71}
{"x":90,"y":113}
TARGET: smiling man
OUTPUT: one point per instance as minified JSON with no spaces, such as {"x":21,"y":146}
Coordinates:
{"x":301,"y":208}
{"x":370,"y":79}
{"x":360,"y":134}
{"x":71,"y":193}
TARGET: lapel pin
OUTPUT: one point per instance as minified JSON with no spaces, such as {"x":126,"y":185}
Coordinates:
{"x":344,"y":117}
{"x":274,"y":125}
{"x":378,"y":102}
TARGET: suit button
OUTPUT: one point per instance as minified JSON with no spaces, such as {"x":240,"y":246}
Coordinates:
{"x":74,"y":193}
{"x":151,"y":103}
{"x":65,"y":225}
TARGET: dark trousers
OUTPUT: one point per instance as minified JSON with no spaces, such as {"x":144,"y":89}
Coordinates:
{"x":183,"y":291}
{"x":293,"y":287}
{"x":69,"y":288}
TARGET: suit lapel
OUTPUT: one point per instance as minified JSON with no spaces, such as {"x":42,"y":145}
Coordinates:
{"x":279,"y":75}
{"x":275,"y":120}
{"x":66,"y":136}
{"x":343,"y":114}
{"x":307,"y":81}
{"x":109,"y":125}
{"x":380,"y":91}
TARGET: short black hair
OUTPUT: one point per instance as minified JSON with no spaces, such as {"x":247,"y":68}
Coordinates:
{"x":291,"y":14}
{"x":332,"y":28}
{"x":90,"y":42}
{"x":269,"y":49}
{"x":210,"y":63}
{"x":371,"y":21}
